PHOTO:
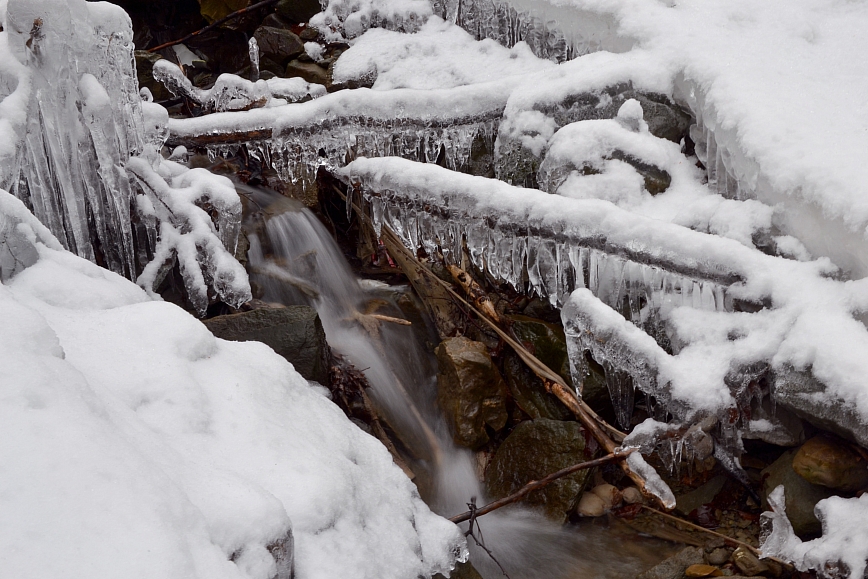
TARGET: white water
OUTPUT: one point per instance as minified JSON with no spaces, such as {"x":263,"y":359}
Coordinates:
{"x":402,"y":376}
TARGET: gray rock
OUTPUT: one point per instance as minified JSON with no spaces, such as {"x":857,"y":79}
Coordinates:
{"x":470,"y":391}
{"x":533,"y":450}
{"x":700,"y":496}
{"x":801,"y":496}
{"x":309,"y":71}
{"x":294,"y":332}
{"x":806,"y":396}
{"x":674,"y":567}
{"x":278,"y":44}
{"x":297,"y":10}
{"x":718,"y":556}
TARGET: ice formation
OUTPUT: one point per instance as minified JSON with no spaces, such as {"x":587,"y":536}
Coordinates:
{"x":229,"y":93}
{"x":135,"y":443}
{"x":74,"y":124}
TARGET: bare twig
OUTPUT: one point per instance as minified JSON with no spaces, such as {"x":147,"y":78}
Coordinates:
{"x":215,"y":24}
{"x":538,"y":484}
{"x":476,"y":293}
{"x":480,"y":542}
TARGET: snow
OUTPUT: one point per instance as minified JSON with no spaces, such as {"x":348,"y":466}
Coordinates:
{"x":135,"y":442}
{"x":439,"y":56}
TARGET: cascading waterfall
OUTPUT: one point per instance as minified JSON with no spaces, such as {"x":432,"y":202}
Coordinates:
{"x":305,"y":266}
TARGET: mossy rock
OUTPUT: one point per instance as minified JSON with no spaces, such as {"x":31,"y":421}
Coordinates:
{"x":533,"y":450}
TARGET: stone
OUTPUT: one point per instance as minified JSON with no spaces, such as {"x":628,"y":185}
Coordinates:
{"x":297,"y":10}
{"x":213,"y":10}
{"x":718,"y":556}
{"x":529,"y":392}
{"x":294,"y":332}
{"x":748,"y":563}
{"x":702,"y":571}
{"x":675,"y":566}
{"x":275,"y":21}
{"x":832,"y":463}
{"x":279,"y":44}
{"x":803,"y":394}
{"x":610,"y":495}
{"x":657,"y":180}
{"x":801,"y":496}
{"x":700,"y":496}
{"x":309,"y":71}
{"x":632,"y":496}
{"x":470,"y":391}
{"x":533,"y":450}
{"x":461,"y":571}
{"x":591,"y":505}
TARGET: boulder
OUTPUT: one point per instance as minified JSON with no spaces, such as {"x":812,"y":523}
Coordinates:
{"x":278,"y":44}
{"x":309,"y":71}
{"x":801,"y":496}
{"x":470,"y":391}
{"x":294,"y":332}
{"x":533,"y":450}
{"x":831,"y":463}
{"x":297,"y":10}
{"x":675,"y":566}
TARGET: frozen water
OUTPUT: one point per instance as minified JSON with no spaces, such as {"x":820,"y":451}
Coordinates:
{"x":229,"y":93}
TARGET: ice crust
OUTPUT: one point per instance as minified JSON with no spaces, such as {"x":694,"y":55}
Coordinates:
{"x":135,"y":443}
{"x":74,"y":123}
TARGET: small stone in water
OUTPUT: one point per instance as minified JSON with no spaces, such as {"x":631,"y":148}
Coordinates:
{"x":748,"y":562}
{"x":703,"y":571}
{"x":591,"y":505}
{"x":610,"y":495}
{"x":632,"y":495}
{"x":718,"y":556}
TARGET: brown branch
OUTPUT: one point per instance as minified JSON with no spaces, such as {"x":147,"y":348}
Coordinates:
{"x":538,"y":484}
{"x":215,"y":24}
{"x":476,"y":293}
{"x":220,"y":138}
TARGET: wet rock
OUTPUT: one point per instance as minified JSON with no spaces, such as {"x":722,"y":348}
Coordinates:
{"x":294,"y":332}
{"x":831,"y":463}
{"x":591,"y":505}
{"x":278,"y":44}
{"x":803,"y":394}
{"x":529,"y":392}
{"x":470,"y":391}
{"x":275,"y":21}
{"x":657,"y":180}
{"x":545,"y":341}
{"x":461,"y":571}
{"x":675,"y":567}
{"x":297,"y":10}
{"x":610,"y":495}
{"x":776,"y":426}
{"x":718,"y":556}
{"x":535,"y":449}
{"x":309,"y":71}
{"x":748,"y":563}
{"x":632,"y":496}
{"x":702,"y":571}
{"x":801,"y":496}
{"x":700,"y":496}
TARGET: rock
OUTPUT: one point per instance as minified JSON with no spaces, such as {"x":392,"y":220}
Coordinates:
{"x":718,"y":556}
{"x":657,"y":180}
{"x":275,"y":21}
{"x":535,"y":449}
{"x":145,"y":73}
{"x":461,"y":571}
{"x":278,"y":44}
{"x":801,"y":496}
{"x":470,"y":391}
{"x":294,"y":332}
{"x":610,"y":495}
{"x":700,"y":496}
{"x":297,"y":10}
{"x":591,"y":505}
{"x":675,"y":567}
{"x":632,"y":496}
{"x":702,"y":571}
{"x":545,"y":341}
{"x":831,"y":463}
{"x":213,"y":10}
{"x":528,"y":391}
{"x":748,"y":563}
{"x":309,"y":71}
{"x":804,"y":395}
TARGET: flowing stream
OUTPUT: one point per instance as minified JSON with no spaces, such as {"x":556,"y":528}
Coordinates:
{"x":297,"y":261}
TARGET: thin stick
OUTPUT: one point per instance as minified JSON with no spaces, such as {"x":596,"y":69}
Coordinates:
{"x":538,"y":484}
{"x":729,"y":540}
{"x":390,"y":319}
{"x":226,"y":18}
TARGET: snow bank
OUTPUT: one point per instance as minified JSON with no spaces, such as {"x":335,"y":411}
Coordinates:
{"x":135,"y":443}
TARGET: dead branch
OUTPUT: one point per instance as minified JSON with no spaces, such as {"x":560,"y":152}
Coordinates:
{"x":215,"y":24}
{"x":219,"y":138}
{"x":390,"y":319}
{"x":477,"y":294}
{"x":538,"y":484}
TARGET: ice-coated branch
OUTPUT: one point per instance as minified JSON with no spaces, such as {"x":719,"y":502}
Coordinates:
{"x":229,"y":93}
{"x":182,"y":202}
